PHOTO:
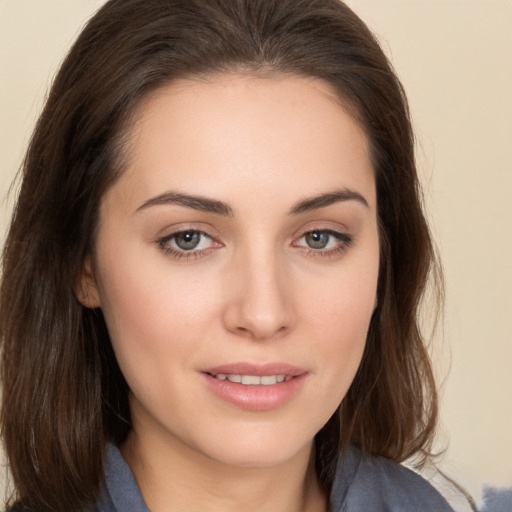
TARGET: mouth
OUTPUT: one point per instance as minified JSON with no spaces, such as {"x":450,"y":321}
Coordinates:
{"x":253,"y":380}
{"x":255,"y":387}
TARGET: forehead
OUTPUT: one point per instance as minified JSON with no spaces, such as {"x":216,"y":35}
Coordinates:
{"x":209,"y":134}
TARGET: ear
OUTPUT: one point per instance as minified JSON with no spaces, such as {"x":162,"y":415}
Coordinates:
{"x":86,"y":290}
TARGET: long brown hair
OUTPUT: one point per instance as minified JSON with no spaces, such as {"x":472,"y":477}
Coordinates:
{"x":64,"y":396}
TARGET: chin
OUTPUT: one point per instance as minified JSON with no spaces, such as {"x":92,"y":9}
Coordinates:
{"x":258,"y":447}
{"x":249,"y":457}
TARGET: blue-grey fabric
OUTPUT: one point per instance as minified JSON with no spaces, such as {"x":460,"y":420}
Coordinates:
{"x":380,"y":485}
{"x":120,"y":490}
{"x":361,"y":485}
{"x":497,"y":500}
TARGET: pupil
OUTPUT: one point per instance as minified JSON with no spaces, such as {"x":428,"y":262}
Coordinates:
{"x":187,"y":240}
{"x":317,"y":239}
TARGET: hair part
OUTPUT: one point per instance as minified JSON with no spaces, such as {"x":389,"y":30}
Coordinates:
{"x":64,"y":395}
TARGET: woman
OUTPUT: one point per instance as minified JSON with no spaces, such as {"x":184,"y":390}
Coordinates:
{"x":212,"y":275}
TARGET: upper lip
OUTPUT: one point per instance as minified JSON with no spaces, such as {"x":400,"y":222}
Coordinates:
{"x":259,"y":370}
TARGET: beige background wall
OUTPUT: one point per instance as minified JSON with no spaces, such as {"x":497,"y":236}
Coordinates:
{"x":455,"y":60}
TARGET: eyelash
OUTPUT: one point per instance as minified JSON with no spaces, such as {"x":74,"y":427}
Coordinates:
{"x":345,"y":242}
{"x":180,"y":254}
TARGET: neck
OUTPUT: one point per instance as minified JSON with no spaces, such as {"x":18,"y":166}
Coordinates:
{"x":173,"y":476}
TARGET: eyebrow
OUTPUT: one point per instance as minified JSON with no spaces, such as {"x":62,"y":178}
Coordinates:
{"x":221,"y":208}
{"x":324,"y":200}
{"x":195,"y":202}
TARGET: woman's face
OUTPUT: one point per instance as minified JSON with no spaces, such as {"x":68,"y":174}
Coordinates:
{"x":239,"y":244}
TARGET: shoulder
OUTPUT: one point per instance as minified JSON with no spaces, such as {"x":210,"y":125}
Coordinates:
{"x":378,"y":484}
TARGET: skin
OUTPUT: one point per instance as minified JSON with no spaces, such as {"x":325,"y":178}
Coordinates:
{"x":254,"y":290}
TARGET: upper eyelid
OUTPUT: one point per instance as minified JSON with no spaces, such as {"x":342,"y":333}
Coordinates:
{"x":324,"y":224}
{"x":341,"y":236}
{"x":214,"y":235}
{"x":177,"y":232}
{"x":173,"y":234}
{"x":171,"y":231}
{"x":324,"y":229}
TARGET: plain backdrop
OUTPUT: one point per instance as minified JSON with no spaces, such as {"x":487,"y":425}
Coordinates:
{"x":455,"y":60}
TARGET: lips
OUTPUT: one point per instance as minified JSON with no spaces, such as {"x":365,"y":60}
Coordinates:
{"x":259,"y":370}
{"x":255,"y":387}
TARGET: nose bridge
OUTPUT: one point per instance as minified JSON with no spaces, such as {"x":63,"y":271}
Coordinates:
{"x":260,"y":304}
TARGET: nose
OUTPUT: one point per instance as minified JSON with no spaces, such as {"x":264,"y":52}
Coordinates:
{"x":260,"y":301}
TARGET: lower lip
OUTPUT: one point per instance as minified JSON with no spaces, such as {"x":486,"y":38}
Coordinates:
{"x":256,"y":398}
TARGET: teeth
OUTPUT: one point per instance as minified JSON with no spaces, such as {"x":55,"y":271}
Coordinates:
{"x":251,"y":380}
{"x":254,"y":380}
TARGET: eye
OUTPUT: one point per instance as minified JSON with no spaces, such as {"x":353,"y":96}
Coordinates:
{"x":318,"y":239}
{"x":324,"y":242}
{"x":186,"y":243}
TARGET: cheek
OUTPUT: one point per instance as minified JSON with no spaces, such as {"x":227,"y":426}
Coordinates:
{"x":339,"y":315}
{"x":150,"y":329}
{"x":344,"y":300}
{"x":153,"y":315}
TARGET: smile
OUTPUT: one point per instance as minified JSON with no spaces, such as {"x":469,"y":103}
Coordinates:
{"x":253,"y":380}
{"x":255,"y":387}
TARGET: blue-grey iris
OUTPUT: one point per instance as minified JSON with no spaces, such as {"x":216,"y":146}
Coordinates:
{"x":317,"y":239}
{"x":187,"y":240}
